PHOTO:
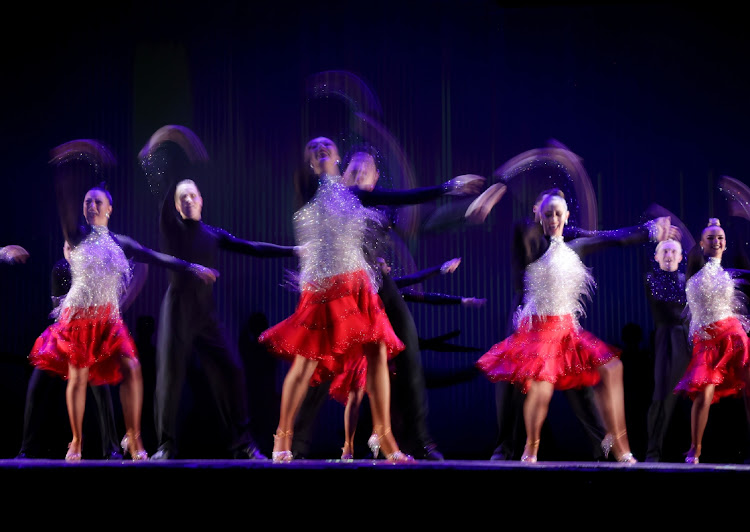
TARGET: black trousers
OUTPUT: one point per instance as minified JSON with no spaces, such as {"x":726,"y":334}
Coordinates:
{"x":45,"y":405}
{"x":671,"y":359}
{"x":409,"y":407}
{"x":188,"y":326}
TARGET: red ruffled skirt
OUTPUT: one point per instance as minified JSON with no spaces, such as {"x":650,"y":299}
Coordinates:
{"x":332,"y":326}
{"x":353,"y":377}
{"x":85,"y":338}
{"x":721,"y":359}
{"x":548,"y":349}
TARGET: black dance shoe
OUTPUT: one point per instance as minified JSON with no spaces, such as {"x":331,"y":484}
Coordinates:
{"x":502,"y":453}
{"x":162,"y":454}
{"x":430,"y":452}
{"x":251,"y":452}
{"x":113,"y":455}
{"x":23,"y":455}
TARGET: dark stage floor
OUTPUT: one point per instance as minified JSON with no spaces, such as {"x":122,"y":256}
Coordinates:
{"x":231,"y":490}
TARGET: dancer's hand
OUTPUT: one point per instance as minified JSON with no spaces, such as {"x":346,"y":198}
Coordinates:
{"x":473,"y":302}
{"x":663,"y":229}
{"x":13,"y":253}
{"x":450,"y":266}
{"x":207,"y":275}
{"x":481,"y":207}
{"x":674,"y":233}
{"x":465,"y":185}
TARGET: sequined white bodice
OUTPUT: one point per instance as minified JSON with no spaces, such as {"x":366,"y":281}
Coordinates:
{"x":100,"y":272}
{"x":555,"y":284}
{"x":331,"y":227}
{"x":712,"y":296}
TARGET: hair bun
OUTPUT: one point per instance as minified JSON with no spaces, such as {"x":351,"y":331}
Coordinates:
{"x":713,"y":222}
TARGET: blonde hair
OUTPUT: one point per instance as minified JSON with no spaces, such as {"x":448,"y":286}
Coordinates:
{"x":554,"y":197}
{"x":185,"y":182}
{"x":549,"y":192}
{"x":712,"y":222}
{"x":668,"y":241}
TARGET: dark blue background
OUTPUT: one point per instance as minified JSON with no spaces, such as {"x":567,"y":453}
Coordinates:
{"x":652,"y":97}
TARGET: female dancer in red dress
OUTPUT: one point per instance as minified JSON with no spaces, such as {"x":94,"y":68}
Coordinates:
{"x":339,"y":316}
{"x":720,"y":363}
{"x":549,"y":350}
{"x":89,"y":343}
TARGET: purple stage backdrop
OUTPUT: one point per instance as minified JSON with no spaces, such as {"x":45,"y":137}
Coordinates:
{"x":652,"y":98}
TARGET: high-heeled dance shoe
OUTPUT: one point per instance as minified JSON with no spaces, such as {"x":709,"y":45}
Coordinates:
{"x":691,"y":457}
{"x":280,"y":457}
{"x":346,"y":452}
{"x":374,"y":443}
{"x":398,"y":457}
{"x":530,"y":451}
{"x":72,"y":456}
{"x":627,"y":458}
{"x":607,"y":444}
{"x":129,"y":447}
{"x":609,"y":441}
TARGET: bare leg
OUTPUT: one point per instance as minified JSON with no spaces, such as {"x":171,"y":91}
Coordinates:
{"x":379,"y":390}
{"x":698,"y":421}
{"x":293,"y":392}
{"x":75,"y":398}
{"x":535,"y":408}
{"x":351,"y":418}
{"x":610,"y":399}
{"x":131,"y":398}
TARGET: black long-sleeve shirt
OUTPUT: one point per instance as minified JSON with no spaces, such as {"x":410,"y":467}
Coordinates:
{"x":200,"y":243}
{"x":415,"y":296}
{"x":666,"y":296}
{"x":70,"y":186}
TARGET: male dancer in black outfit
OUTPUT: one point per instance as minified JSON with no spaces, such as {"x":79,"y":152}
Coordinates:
{"x":188,"y":317}
{"x":665,"y":289}
{"x":527,"y":234}
{"x":43,"y":387}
